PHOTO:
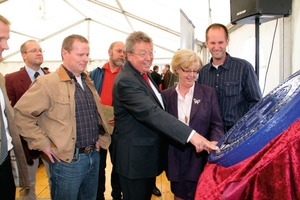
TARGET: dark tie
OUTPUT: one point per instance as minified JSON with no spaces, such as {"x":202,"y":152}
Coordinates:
{"x":36,"y":74}
{"x":145,"y":76}
{"x":4,"y":151}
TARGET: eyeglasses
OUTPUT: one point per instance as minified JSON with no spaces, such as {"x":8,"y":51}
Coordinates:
{"x":190,"y":71}
{"x":144,"y":54}
{"x":120,"y":51}
{"x":34,"y":51}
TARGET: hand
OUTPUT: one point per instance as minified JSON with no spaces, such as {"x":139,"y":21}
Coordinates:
{"x":201,"y":143}
{"x":111,"y":121}
{"x":214,"y":143}
{"x":97,"y":145}
{"x":50,"y":154}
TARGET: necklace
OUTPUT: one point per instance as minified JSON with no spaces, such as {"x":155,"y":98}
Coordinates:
{"x":184,"y":104}
{"x":186,"y":119}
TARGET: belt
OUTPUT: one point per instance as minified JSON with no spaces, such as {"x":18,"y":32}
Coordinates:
{"x":85,"y":150}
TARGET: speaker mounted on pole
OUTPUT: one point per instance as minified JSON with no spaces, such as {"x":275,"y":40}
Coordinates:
{"x":247,"y":11}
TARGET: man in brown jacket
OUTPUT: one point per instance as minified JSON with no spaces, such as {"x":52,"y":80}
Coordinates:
{"x":60,"y":115}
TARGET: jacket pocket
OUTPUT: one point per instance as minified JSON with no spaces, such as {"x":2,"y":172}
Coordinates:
{"x":61,"y":108}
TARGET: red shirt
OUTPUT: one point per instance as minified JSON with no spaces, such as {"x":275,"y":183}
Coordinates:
{"x":107,"y":86}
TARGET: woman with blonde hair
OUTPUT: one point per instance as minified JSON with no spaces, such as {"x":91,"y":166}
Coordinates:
{"x":197,"y":106}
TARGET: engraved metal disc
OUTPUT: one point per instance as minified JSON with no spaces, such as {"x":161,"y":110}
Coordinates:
{"x":268,"y":118}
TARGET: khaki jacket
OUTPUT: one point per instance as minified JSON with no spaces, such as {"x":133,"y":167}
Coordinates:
{"x":46,"y":114}
{"x":18,"y":159}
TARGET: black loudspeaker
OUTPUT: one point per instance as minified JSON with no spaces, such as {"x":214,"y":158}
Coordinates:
{"x":246,"y":11}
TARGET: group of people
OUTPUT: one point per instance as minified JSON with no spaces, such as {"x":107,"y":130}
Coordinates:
{"x":164,"y":80}
{"x":60,"y":115}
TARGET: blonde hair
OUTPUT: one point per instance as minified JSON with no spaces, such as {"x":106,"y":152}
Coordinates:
{"x":184,"y":58}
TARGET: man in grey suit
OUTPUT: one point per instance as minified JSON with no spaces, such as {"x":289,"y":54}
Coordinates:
{"x":141,"y":123}
{"x":10,"y":142}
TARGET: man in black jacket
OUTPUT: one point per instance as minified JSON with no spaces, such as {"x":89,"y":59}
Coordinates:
{"x":156,"y":76}
{"x":142,"y":124}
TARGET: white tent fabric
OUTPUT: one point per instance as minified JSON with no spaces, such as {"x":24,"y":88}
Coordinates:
{"x":105,"y":21}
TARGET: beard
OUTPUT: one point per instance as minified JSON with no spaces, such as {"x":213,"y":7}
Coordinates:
{"x":118,"y":62}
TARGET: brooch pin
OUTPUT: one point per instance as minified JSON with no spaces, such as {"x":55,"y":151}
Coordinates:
{"x":196,"y":101}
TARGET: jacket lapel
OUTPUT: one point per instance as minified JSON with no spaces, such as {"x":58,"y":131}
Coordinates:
{"x":25,"y":80}
{"x":143,"y":81}
{"x":196,"y":101}
{"x":173,"y":102}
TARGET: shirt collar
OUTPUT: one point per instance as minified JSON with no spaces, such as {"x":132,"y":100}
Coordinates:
{"x":31,"y":72}
{"x":224,"y":65}
{"x":72,"y":76}
{"x":190,"y":92}
{"x":106,"y":67}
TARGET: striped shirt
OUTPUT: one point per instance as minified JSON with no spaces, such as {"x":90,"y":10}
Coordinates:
{"x":236,"y":84}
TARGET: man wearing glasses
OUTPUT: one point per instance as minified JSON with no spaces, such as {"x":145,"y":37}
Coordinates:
{"x":103,"y":78}
{"x":142,"y":125}
{"x":17,"y":83}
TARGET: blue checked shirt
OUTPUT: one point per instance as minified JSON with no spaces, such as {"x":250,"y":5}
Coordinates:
{"x":87,"y":128}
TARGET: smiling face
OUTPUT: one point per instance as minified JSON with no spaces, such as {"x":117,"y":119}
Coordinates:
{"x":216,"y":42}
{"x":188,"y":74}
{"x":186,"y":65}
{"x":142,"y":56}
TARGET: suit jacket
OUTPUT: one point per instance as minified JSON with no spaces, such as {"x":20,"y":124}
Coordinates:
{"x":156,"y":78}
{"x":166,"y":80}
{"x":205,"y":118}
{"x":17,"y":83}
{"x":21,"y":173}
{"x":138,"y":146}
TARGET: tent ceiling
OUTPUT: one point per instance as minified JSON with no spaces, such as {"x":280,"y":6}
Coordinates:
{"x":105,"y":21}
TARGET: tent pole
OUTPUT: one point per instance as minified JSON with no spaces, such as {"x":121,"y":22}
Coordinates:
{"x":257,"y":47}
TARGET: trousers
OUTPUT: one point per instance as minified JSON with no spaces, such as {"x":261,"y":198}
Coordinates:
{"x":76,"y":180}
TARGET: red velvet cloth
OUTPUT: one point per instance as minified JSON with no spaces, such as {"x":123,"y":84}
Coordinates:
{"x":272,"y":173}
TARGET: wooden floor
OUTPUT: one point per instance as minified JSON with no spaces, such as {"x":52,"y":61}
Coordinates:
{"x":42,"y":186}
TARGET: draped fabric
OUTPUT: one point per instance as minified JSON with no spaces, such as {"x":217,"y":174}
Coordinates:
{"x":272,"y":173}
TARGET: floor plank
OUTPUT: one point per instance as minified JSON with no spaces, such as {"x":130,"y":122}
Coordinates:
{"x":43,"y":192}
